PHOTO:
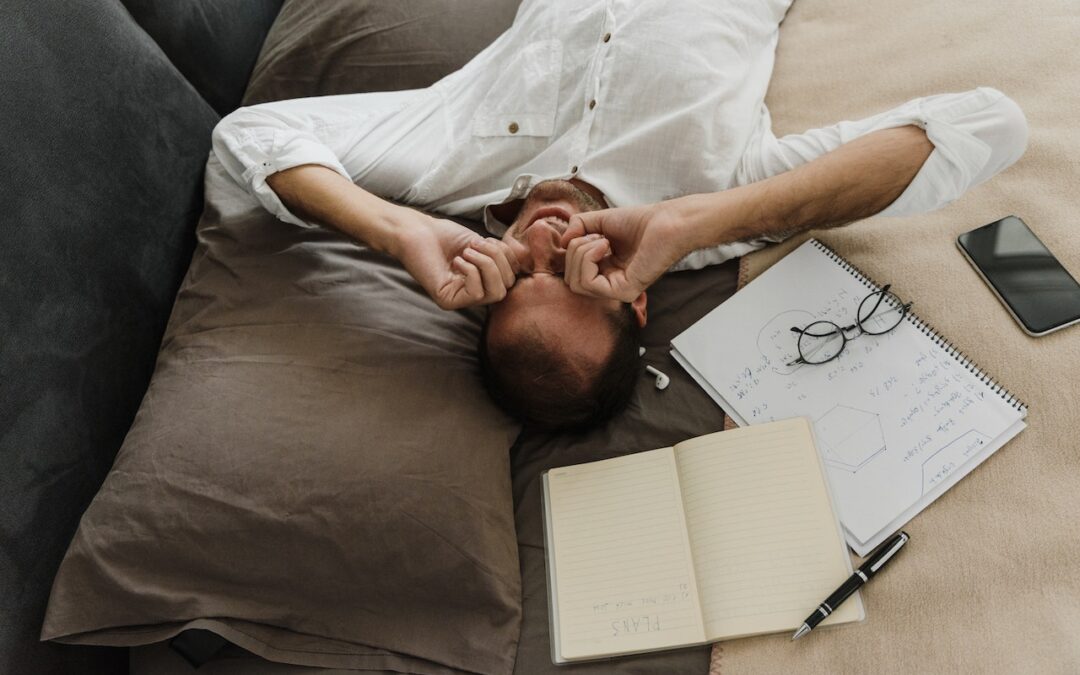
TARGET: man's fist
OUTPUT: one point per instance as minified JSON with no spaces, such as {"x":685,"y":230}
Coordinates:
{"x":618,"y":253}
{"x":456,"y":267}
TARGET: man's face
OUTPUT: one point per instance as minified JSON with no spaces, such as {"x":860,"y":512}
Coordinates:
{"x":540,"y":300}
{"x":541,"y":220}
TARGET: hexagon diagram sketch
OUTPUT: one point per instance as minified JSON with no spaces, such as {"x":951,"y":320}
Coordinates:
{"x":849,"y":437}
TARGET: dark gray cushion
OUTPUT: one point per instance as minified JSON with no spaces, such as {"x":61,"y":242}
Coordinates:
{"x":104,"y":145}
{"x":212,"y":42}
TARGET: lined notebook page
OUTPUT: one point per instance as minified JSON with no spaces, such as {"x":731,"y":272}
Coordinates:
{"x":624,"y":579}
{"x":766,"y":543}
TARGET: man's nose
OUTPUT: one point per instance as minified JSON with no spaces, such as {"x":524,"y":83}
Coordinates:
{"x":547,"y":254}
{"x":555,"y":260}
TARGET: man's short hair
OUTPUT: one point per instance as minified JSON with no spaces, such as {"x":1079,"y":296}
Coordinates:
{"x":537,"y":385}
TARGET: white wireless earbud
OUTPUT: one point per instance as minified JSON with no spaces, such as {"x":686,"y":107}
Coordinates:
{"x":662,"y":380}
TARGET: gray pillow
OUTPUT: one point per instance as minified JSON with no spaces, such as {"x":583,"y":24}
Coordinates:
{"x":105,"y":144}
{"x":213,"y":44}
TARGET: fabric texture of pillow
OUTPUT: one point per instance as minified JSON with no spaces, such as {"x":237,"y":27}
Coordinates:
{"x":315,"y":472}
{"x":321,"y":47}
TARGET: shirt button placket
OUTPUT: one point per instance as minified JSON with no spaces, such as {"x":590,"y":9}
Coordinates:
{"x":592,"y":102}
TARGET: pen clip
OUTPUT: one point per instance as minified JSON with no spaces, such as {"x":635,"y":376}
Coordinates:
{"x":890,"y":553}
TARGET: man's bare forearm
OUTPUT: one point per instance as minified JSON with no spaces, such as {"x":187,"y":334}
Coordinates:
{"x":857,"y":180}
{"x":456,"y":267}
{"x":315,"y":192}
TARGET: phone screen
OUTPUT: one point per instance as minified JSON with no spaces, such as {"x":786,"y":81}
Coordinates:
{"x":1026,"y":276}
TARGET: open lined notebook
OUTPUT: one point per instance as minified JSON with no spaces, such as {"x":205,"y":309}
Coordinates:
{"x":722,"y":536}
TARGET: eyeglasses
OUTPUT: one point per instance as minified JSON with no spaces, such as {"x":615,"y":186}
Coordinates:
{"x":822,"y":341}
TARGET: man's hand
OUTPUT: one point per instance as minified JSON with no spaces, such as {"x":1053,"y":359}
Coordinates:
{"x":618,"y":253}
{"x":457,"y":267}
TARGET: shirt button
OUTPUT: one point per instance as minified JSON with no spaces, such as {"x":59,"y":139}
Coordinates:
{"x":513,"y":128}
{"x":607,"y":37}
{"x":573,"y":169}
{"x":592,"y":104}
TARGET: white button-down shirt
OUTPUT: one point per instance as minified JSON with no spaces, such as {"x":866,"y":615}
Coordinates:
{"x":644,"y":99}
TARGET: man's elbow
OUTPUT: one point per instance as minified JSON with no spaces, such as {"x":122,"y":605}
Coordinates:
{"x":227,"y":131}
{"x":1009,"y":138}
{"x":241,"y":141}
{"x":1017,"y":125}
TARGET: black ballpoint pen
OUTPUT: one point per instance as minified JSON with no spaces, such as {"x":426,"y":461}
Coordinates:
{"x":865,"y":572}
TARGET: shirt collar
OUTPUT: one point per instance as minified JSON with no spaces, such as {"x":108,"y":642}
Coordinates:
{"x":519,"y":190}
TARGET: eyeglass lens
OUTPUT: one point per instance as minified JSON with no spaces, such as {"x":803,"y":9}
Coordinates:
{"x":880,"y":312}
{"x":821,"y":341}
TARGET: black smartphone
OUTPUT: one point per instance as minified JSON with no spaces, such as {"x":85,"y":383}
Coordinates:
{"x":1032,"y":284}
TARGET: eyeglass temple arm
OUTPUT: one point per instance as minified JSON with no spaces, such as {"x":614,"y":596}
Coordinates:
{"x":802,"y":331}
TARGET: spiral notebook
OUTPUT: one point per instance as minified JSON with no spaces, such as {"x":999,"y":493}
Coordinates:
{"x":899,"y":418}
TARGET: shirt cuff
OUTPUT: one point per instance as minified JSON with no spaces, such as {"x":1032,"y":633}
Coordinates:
{"x":278,"y":151}
{"x":957,"y":160}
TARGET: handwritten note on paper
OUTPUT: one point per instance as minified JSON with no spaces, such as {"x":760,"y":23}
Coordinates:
{"x":896,"y":417}
{"x":622,"y":559}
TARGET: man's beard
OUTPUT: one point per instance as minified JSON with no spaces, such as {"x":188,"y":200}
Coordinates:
{"x":555,"y":189}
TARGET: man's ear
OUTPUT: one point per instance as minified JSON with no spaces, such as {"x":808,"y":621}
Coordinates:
{"x":638,"y":305}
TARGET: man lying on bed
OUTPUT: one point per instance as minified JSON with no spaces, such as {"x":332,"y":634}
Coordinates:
{"x":649,"y":121}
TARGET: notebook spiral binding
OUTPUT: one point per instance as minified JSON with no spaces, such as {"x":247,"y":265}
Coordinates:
{"x":926,"y":329}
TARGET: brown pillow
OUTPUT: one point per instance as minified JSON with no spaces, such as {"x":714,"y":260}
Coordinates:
{"x":315,"y":472}
{"x":320,"y":47}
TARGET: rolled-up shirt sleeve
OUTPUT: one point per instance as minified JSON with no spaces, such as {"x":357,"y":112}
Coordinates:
{"x":385,"y":139}
{"x":974,"y":137}
{"x":252,"y":143}
{"x":976,"y":134}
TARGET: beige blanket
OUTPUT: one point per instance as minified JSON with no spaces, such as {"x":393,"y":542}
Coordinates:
{"x":990,"y":582}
